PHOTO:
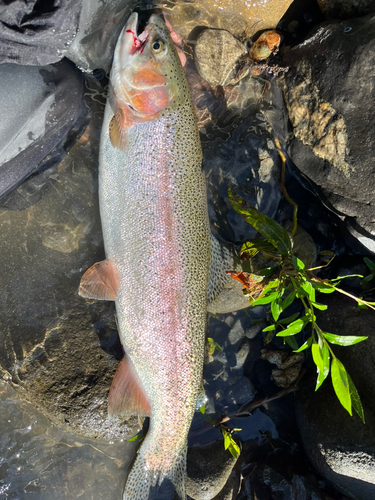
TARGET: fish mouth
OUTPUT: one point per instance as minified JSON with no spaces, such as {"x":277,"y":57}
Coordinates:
{"x":132,"y":41}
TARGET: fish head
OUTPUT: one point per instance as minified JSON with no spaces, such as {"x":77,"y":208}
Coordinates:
{"x":147,"y":76}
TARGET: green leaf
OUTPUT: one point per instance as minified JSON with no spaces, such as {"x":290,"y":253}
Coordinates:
{"x":304,"y":346}
{"x":366,"y":279}
{"x":266,"y":226}
{"x":252,"y":247}
{"x":343,"y":340}
{"x":322,"y":307}
{"x":234,"y":449}
{"x":265,"y":300}
{"x":322,"y":375}
{"x":272,"y":285}
{"x":369,"y":263}
{"x":309,"y":289}
{"x":202,"y":409}
{"x":292,"y":329}
{"x":137,"y":437}
{"x":269,"y":328}
{"x":340,"y":384}
{"x":289,"y":319}
{"x":317,"y":356}
{"x":288,"y":300}
{"x":322,"y":288}
{"x":213,"y":346}
{"x":357,"y":405}
{"x":298,"y":264}
{"x":276,"y":309}
{"x":227,"y":440}
{"x":291,"y":341}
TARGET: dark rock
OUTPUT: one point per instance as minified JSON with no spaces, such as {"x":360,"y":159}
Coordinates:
{"x":334,"y":140}
{"x":231,"y":488}
{"x":208,"y":469}
{"x":241,"y":392}
{"x":341,"y":447}
{"x":346,"y":9}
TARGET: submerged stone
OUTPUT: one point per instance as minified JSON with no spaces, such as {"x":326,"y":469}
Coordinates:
{"x":217,"y":57}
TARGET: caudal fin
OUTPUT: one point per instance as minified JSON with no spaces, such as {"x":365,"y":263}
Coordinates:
{"x":146,"y":484}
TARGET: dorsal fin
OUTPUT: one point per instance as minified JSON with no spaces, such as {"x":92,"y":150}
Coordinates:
{"x":126,"y":395}
{"x":100,"y":282}
{"x":117,"y":131}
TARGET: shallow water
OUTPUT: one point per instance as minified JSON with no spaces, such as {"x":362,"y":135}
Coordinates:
{"x":40,"y":461}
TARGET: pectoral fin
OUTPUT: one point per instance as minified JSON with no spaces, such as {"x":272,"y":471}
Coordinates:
{"x":117,"y":131}
{"x":100,"y":282}
{"x":126,"y":395}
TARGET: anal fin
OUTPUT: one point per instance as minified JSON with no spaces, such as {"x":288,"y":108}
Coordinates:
{"x":100,"y":281}
{"x":126,"y":395}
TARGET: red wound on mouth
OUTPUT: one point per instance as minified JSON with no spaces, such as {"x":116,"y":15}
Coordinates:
{"x":136,"y":42}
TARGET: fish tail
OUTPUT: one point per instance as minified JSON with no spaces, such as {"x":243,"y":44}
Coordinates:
{"x":167,"y":484}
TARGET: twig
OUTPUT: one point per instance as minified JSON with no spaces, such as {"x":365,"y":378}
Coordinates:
{"x":245,"y":410}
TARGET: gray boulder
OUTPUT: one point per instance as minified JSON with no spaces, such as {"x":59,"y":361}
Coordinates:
{"x":208,"y":470}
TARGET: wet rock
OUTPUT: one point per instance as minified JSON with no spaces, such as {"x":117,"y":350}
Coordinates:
{"x":340,"y":447}
{"x":242,"y":19}
{"x":346,"y":9}
{"x":333,"y":126}
{"x":268,"y":43}
{"x":289,"y":366}
{"x":231,"y":488}
{"x":208,"y":469}
{"x":217,"y":55}
{"x":241,"y":392}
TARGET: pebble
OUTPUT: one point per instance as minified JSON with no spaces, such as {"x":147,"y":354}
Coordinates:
{"x":265,"y":45}
{"x":236,"y":333}
{"x":241,"y":355}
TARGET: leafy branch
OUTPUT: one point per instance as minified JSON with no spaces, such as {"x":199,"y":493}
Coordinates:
{"x":284,"y":282}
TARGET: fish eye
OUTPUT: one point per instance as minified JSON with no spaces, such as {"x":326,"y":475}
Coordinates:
{"x":157,"y":46}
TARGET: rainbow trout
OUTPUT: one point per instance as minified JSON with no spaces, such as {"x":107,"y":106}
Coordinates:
{"x":156,"y":233}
